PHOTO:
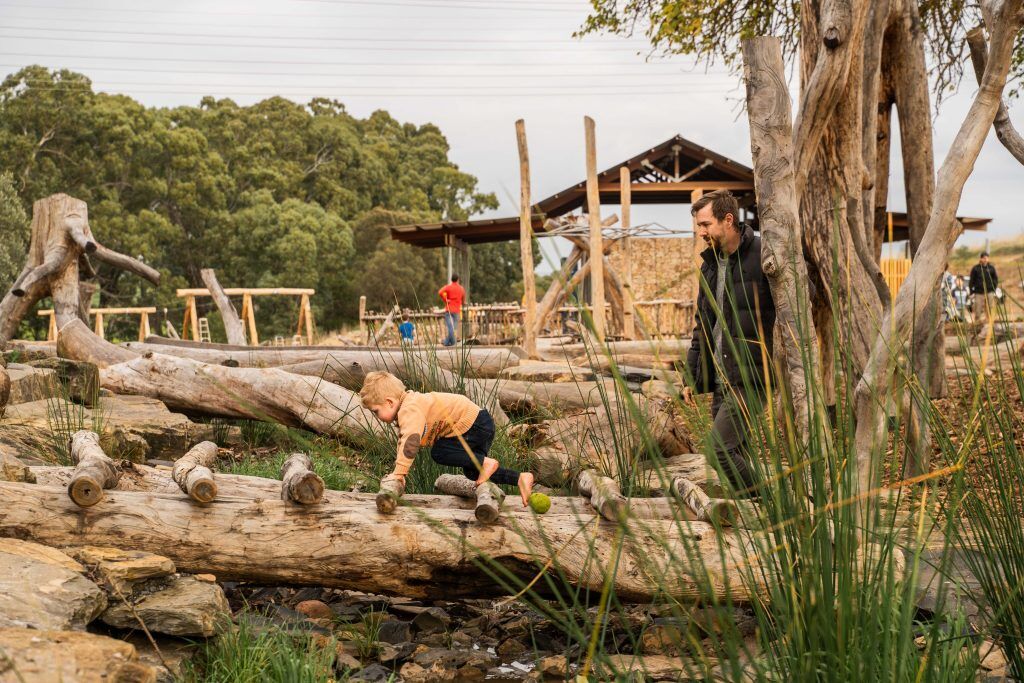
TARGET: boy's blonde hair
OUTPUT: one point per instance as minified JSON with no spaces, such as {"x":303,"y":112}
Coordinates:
{"x":380,"y":385}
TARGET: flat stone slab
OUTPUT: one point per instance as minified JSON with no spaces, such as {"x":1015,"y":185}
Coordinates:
{"x":37,"y":593}
{"x":179,"y":606}
{"x":42,"y":553}
{"x":31,"y":384}
{"x":131,"y":427}
{"x":46,"y":656}
{"x":122,"y":569}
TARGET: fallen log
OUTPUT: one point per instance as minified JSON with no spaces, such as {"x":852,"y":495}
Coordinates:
{"x":471,"y":362}
{"x":663,"y":348}
{"x":487,"y":498}
{"x":192,"y":472}
{"x":299,"y":483}
{"x":415,"y":553}
{"x":145,"y":479}
{"x":94,"y":471}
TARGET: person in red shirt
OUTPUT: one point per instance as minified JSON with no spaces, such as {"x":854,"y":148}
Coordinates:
{"x":453,"y":295}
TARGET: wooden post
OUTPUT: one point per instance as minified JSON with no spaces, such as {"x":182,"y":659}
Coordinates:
{"x":362,"y":317}
{"x":94,"y":470}
{"x":299,"y":483}
{"x":193,"y":475}
{"x":249,"y":315}
{"x":51,"y":333}
{"x":526,"y":244}
{"x":191,"y":319}
{"x":99,"y":326}
{"x":143,"y":326}
{"x":596,"y":242}
{"x":625,"y":197}
{"x":307,"y":312}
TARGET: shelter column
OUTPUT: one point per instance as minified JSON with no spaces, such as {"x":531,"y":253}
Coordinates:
{"x":526,"y":244}
{"x":596,"y":242}
{"x":625,"y":197}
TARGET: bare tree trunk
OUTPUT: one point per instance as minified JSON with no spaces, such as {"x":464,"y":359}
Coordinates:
{"x":232,"y":323}
{"x":939,"y":237}
{"x":771,"y":143}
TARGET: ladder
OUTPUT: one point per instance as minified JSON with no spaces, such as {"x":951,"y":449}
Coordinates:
{"x":204,"y":330}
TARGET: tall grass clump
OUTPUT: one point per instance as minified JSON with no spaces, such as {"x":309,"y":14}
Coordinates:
{"x":242,"y":654}
{"x":67,"y":414}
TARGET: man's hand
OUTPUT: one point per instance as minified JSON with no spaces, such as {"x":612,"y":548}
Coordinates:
{"x":688,"y":397}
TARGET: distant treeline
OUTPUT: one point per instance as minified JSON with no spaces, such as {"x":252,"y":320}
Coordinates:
{"x":274,"y":194}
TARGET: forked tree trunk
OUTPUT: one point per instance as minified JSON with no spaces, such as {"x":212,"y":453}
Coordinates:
{"x":1012,"y":140}
{"x":939,"y":237}
{"x":232,"y":323}
{"x":61,"y":240}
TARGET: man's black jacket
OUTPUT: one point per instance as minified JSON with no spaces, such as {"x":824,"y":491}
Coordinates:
{"x":983,"y":279}
{"x":749,"y":315}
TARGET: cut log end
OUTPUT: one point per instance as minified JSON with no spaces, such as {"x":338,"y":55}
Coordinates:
{"x":387,"y":502}
{"x":204,"y":491}
{"x":307,"y":489}
{"x":85,"y":490}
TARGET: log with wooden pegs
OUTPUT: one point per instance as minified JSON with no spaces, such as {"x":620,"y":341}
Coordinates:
{"x":192,"y":472}
{"x":94,"y":470}
{"x":391,"y":490}
{"x":299,"y":483}
{"x":488,"y":496}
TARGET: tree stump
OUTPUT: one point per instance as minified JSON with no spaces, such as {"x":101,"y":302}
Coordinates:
{"x":299,"y":483}
{"x":94,"y":471}
{"x":58,"y":255}
{"x":488,"y":496}
{"x":604,"y":495}
{"x":192,"y":472}
{"x":391,"y":490}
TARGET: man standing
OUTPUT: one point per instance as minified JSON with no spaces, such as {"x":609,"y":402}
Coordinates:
{"x":983,"y":285}
{"x":453,"y":295}
{"x":732,"y":332}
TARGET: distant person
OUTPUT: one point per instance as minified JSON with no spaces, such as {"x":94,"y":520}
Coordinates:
{"x":406,"y":330}
{"x":947,"y":286}
{"x":961,"y":299}
{"x":453,"y":295}
{"x":984,"y":285}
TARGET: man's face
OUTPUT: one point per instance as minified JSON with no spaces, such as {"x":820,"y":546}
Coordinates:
{"x":984,"y":260}
{"x":710,"y":229}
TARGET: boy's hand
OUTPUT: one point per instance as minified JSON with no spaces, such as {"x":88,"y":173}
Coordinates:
{"x":400,"y":478}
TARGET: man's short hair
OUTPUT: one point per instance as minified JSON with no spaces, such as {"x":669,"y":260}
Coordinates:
{"x":455,"y":277}
{"x":984,"y":254}
{"x":722,"y":202}
{"x":378,"y":386}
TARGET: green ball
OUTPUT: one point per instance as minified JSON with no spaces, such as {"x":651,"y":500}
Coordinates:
{"x":539,"y":503}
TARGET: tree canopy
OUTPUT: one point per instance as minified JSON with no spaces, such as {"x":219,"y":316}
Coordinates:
{"x":273,"y":194}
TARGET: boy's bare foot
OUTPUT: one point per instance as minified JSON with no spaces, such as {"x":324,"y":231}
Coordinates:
{"x":525,"y":487}
{"x":490,"y":466}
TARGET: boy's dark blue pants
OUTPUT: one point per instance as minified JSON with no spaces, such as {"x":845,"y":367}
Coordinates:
{"x":451,"y":451}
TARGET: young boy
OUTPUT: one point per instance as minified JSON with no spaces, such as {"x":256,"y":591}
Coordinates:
{"x":407,"y":331}
{"x":458,"y":431}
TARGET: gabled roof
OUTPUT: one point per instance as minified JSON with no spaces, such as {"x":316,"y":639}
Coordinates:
{"x":664,"y":174}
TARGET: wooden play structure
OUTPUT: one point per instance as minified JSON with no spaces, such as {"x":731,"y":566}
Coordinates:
{"x":143,"y":312}
{"x":304,"y":328}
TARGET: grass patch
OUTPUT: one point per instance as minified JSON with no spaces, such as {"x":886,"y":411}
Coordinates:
{"x":243,"y":655}
{"x":337,"y":473}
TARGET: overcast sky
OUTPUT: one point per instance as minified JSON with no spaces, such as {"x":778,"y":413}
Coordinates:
{"x":470,"y":66}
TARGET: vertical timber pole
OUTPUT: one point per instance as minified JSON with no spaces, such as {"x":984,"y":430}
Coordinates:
{"x":625,"y":198}
{"x":596,"y":241}
{"x":362,"y":318}
{"x":526,"y":244}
